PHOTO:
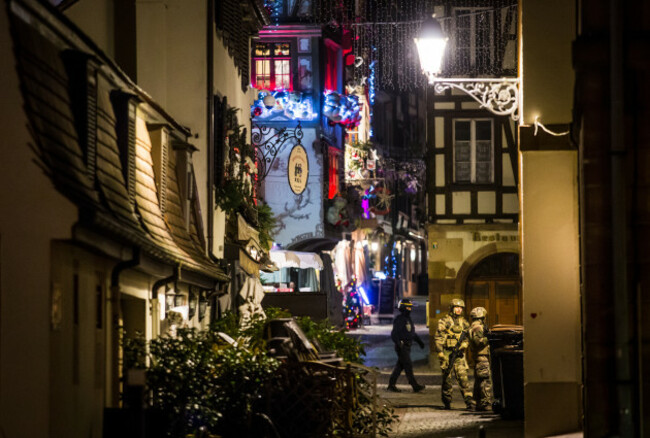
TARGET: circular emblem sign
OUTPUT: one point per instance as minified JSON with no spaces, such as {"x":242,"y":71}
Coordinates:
{"x":298,"y":169}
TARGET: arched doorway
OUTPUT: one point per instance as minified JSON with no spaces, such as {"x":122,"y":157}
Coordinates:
{"x":494,"y":284}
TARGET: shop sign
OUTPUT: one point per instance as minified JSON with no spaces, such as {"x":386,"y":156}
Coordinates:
{"x":298,"y":169}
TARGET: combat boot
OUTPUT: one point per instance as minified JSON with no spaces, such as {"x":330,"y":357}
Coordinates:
{"x":417,"y":387}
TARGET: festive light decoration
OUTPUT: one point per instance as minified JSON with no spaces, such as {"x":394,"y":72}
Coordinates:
{"x":342,"y":109}
{"x":352,"y":306}
{"x":371,"y":94}
{"x":387,"y":40}
{"x":337,"y":214}
{"x":384,"y":198}
{"x":365,"y":205}
{"x":274,"y":9}
{"x":390,"y":268}
{"x":292,"y":105}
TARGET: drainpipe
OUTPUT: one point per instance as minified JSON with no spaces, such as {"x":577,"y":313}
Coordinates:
{"x":116,"y":323}
{"x":210,"y":119}
{"x":618,"y":153}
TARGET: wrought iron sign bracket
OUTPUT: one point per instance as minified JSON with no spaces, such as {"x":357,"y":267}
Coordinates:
{"x":269,"y":144}
{"x":500,"y":96}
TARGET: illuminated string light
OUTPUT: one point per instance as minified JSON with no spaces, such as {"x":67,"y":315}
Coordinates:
{"x":539,"y":124}
{"x":387,"y":40}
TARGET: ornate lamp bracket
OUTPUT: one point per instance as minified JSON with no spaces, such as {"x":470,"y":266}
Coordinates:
{"x":499,"y":96}
{"x":268,"y":143}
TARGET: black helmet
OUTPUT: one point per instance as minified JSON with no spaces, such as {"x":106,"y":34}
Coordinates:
{"x":405,"y":304}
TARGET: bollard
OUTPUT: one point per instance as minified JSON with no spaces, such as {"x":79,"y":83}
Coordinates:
{"x":481,"y":431}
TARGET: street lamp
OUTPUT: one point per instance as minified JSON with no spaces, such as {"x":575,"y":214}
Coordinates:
{"x":500,"y":96}
{"x":431,"y":45}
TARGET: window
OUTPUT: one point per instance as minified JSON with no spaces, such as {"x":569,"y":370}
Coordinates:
{"x":272,"y":66}
{"x":473,"y":39}
{"x":473,"y":151}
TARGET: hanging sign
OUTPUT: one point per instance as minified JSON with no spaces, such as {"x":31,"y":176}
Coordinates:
{"x":298,"y":169}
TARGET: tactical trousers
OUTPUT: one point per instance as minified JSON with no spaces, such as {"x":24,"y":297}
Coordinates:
{"x":403,"y":363}
{"x":482,"y":383}
{"x":459,"y":371}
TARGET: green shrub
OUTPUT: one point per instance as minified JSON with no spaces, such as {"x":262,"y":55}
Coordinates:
{"x":331,"y":339}
{"x":199,"y":382}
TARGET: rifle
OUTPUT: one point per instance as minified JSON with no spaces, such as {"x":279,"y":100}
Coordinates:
{"x":453,"y":356}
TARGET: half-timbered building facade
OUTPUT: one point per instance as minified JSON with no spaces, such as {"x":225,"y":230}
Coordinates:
{"x":472,"y":178}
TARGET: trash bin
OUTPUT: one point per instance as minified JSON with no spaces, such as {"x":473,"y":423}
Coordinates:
{"x":507,"y":366}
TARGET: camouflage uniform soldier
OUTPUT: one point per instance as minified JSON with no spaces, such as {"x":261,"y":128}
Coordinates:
{"x":480,"y":348}
{"x":447,"y":336}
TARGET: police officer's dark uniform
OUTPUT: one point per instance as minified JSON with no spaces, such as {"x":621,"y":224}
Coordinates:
{"x":403,"y":335}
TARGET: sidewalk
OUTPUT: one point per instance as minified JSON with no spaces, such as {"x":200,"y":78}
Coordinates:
{"x":421,"y":415}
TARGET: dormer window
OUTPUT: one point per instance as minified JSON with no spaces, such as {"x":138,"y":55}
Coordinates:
{"x":272,"y":66}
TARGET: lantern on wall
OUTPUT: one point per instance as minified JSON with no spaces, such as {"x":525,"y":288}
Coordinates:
{"x":431,"y":43}
{"x":203,"y":306}
{"x":169,"y":298}
{"x":193,"y":304}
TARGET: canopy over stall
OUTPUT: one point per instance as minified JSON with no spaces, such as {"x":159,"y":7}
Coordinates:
{"x":296,"y":259}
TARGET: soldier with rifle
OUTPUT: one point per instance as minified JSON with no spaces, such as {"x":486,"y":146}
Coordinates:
{"x":451,"y":344}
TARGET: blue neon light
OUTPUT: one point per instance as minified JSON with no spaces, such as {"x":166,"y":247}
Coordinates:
{"x":363,"y":295}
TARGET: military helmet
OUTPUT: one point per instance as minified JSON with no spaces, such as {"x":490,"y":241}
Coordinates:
{"x":456,"y":302}
{"x":405,"y":304}
{"x":478,"y":312}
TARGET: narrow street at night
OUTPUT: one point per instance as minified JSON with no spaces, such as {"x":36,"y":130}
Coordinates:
{"x":241,"y":218}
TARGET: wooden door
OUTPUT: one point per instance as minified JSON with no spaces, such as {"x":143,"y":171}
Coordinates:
{"x":494,"y":284}
{"x":501,"y":298}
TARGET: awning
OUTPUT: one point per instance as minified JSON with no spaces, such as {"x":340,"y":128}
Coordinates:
{"x":296,"y":259}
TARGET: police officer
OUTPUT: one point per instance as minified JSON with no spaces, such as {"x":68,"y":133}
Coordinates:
{"x":480,"y":348}
{"x":447,"y":337}
{"x":403,"y":335}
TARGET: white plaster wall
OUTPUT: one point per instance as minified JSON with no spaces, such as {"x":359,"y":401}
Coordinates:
{"x":550,"y":266}
{"x":152,"y":39}
{"x":508,"y":174}
{"x":32,"y":214}
{"x":546,"y":72}
{"x":172,"y":67}
{"x":280,"y":198}
{"x":551,"y":292}
{"x":508,"y":241}
{"x":96,"y":19}
{"x":440,"y":170}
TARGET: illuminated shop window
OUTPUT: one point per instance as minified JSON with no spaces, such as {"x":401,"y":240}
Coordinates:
{"x":272,"y":66}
